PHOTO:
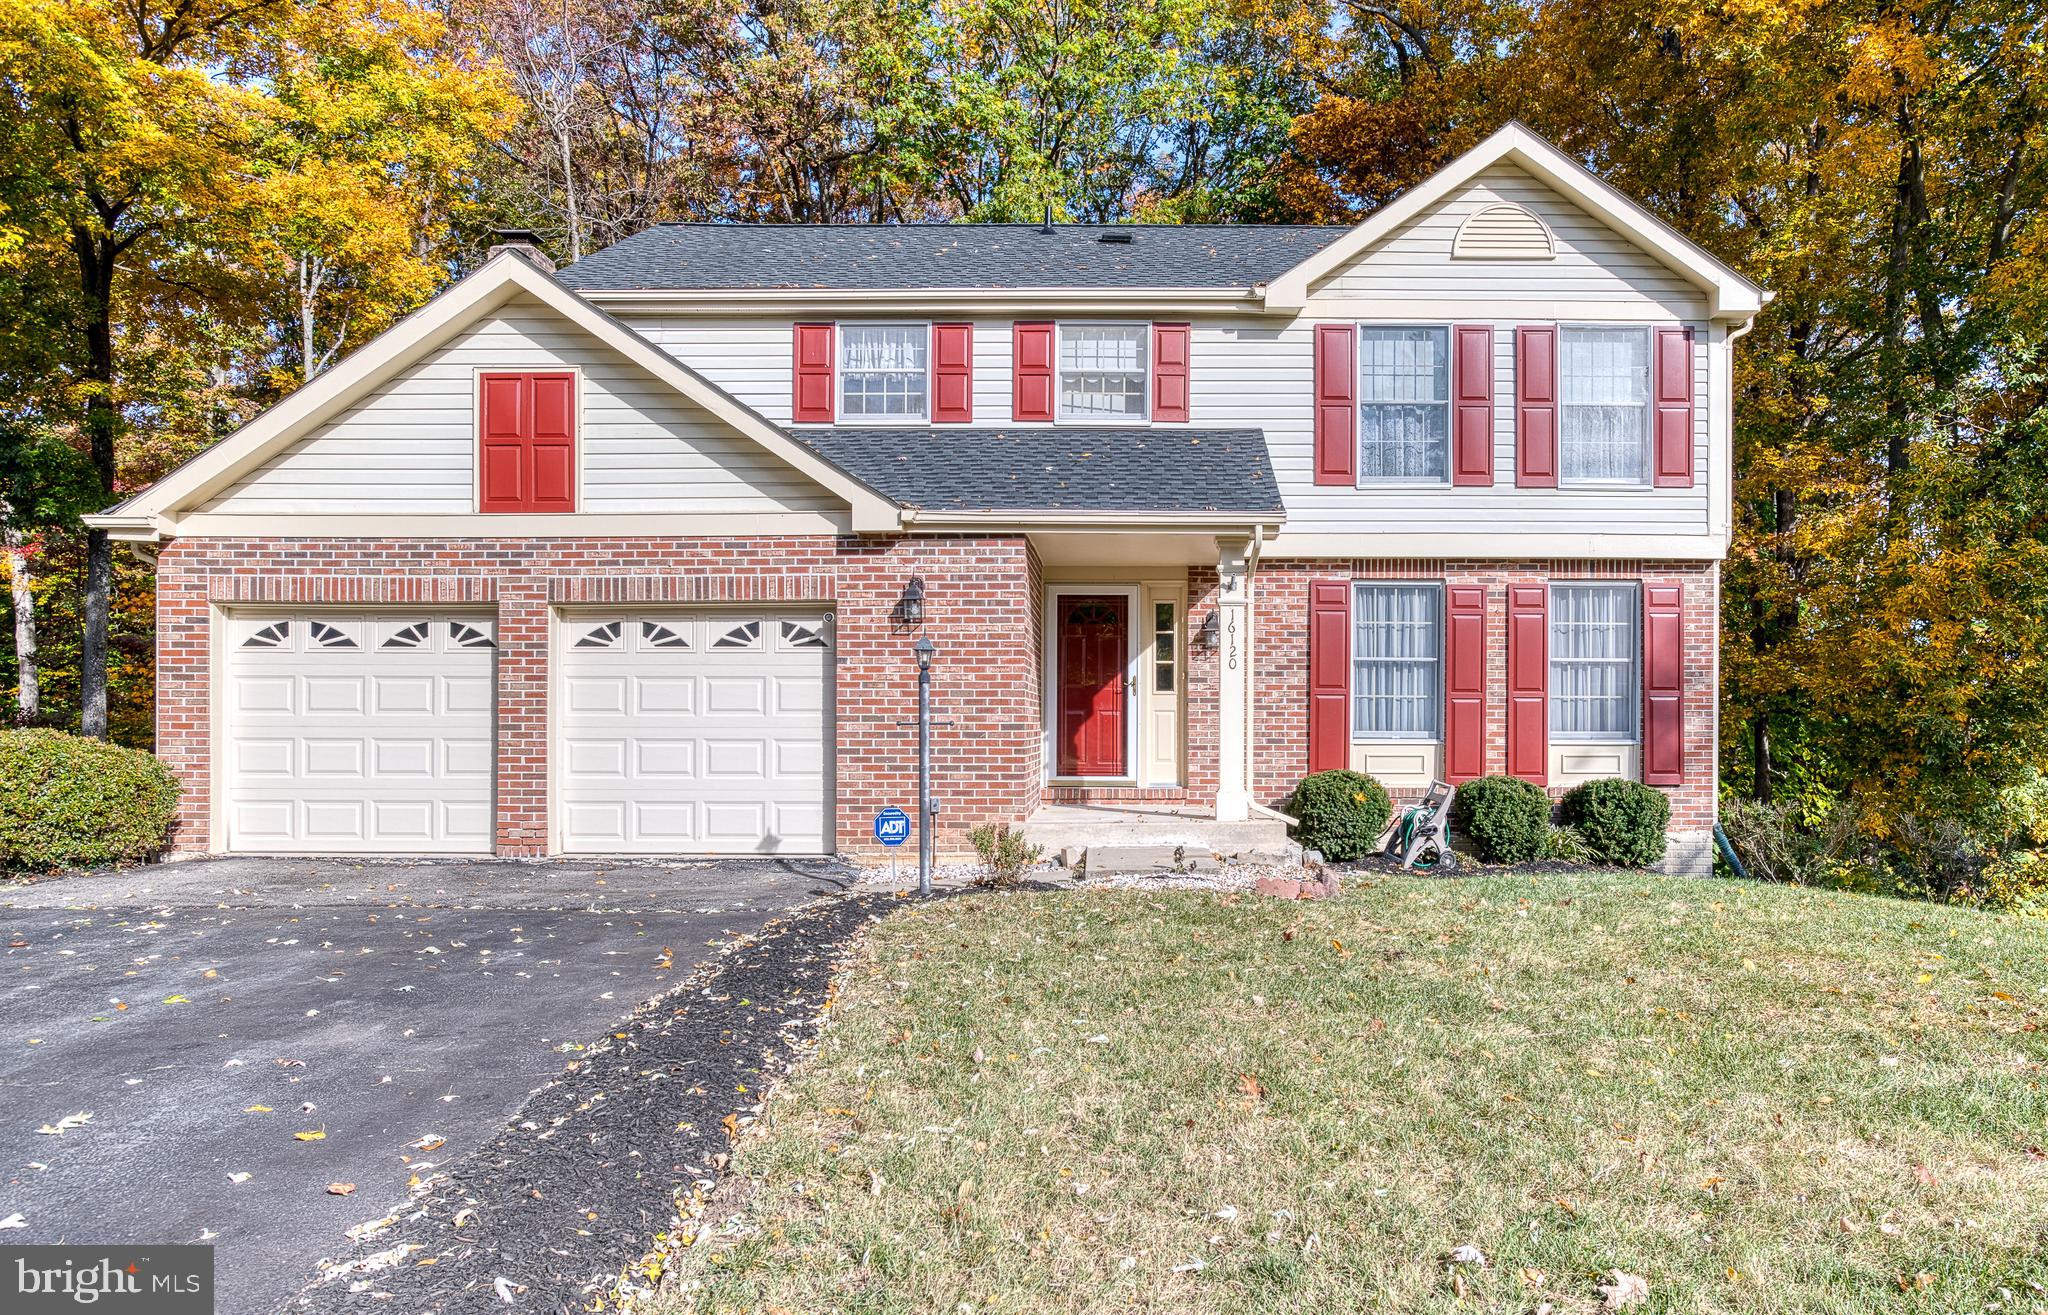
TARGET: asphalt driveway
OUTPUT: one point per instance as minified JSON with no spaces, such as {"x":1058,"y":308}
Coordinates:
{"x":308,"y":1022}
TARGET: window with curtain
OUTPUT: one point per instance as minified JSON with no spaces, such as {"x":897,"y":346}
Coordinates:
{"x":1396,"y":661}
{"x":1593,"y":642}
{"x":1103,"y":371}
{"x":882,"y":371}
{"x":1604,"y":404}
{"x":1404,"y":407}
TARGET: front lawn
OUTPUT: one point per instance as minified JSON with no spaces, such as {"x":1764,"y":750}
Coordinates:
{"x":1755,"y":1098}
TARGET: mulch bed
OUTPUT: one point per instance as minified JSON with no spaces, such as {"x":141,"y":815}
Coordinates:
{"x":574,"y":1196}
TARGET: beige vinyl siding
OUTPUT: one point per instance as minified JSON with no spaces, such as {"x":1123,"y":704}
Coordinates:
{"x":411,"y":448}
{"x":1592,"y":262}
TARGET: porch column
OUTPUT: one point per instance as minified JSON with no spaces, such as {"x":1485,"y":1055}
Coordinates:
{"x":1234,"y":680}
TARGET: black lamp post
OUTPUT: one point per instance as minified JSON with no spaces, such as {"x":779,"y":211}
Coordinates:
{"x":925,"y":651}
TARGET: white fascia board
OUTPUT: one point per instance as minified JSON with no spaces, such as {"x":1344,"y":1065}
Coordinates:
{"x":505,"y":276}
{"x":1729,"y":294}
{"x":1467,"y":547}
{"x":958,"y":301}
{"x":124,"y":527}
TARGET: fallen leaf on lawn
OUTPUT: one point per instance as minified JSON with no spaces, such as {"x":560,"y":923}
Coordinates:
{"x":1622,"y":1290}
{"x":1924,"y":1175}
{"x":1254,"y":1090}
{"x":1466,"y":1254}
{"x":238,"y":1178}
{"x":1194,"y":1265}
{"x":1917,"y":1283}
{"x":310,"y":1136}
{"x":341,"y":1189}
{"x":66,"y":1124}
{"x":1533,"y":1276}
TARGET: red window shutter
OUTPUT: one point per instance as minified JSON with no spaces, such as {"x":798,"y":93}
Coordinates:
{"x":1336,"y":404}
{"x":1472,"y":404}
{"x":1663,"y":684}
{"x":1528,"y":682}
{"x":1031,"y":390}
{"x":526,"y":443}
{"x":1464,"y":682}
{"x":1671,"y":441}
{"x":1329,"y":675}
{"x":812,"y":403}
{"x":1171,"y":346}
{"x":953,"y":373}
{"x":1536,"y":406}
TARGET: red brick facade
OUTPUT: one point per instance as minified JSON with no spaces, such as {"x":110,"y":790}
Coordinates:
{"x":981,"y":606}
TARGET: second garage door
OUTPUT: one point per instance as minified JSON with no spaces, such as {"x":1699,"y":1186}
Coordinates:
{"x":706,"y":733}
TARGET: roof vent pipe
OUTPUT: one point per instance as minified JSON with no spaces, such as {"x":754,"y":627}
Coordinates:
{"x":1047,"y":227}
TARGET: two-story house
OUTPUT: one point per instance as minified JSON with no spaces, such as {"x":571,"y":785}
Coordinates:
{"x":631,"y":556}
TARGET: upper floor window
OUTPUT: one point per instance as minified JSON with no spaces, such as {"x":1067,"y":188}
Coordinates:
{"x":1593,"y":642}
{"x":1604,"y":411}
{"x":1404,"y":408}
{"x":883,"y":371}
{"x":1396,"y":661}
{"x":1103,"y":371}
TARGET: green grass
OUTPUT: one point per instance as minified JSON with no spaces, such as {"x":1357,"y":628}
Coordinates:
{"x":1758,"y":1098}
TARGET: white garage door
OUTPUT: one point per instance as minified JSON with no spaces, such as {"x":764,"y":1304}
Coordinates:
{"x":351,"y":733}
{"x":696,"y":734}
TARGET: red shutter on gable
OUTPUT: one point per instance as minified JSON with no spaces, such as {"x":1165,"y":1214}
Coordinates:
{"x":1528,"y":682}
{"x":812,"y":375}
{"x":1671,"y":441}
{"x":1663,"y":684}
{"x":1472,"y":404}
{"x":526,"y":440}
{"x":1031,"y":391}
{"x":1171,"y":346}
{"x":1464,"y":682}
{"x":1336,"y":369}
{"x":1536,"y":406}
{"x":1329,"y":675}
{"x":952,"y":373}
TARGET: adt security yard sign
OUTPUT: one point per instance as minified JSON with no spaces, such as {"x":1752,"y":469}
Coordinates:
{"x":892,"y":826}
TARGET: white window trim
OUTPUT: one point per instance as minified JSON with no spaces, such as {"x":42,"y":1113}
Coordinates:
{"x":1366,"y":481}
{"x":1634,"y":736}
{"x":840,"y":418}
{"x":1059,"y":385}
{"x":1649,"y":405}
{"x":1358,"y":734}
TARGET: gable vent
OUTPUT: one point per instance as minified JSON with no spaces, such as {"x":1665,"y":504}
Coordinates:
{"x":1502,"y":232}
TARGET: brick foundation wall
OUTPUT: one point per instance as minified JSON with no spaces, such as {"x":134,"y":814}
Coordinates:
{"x":1280,"y":664}
{"x":982,"y":606}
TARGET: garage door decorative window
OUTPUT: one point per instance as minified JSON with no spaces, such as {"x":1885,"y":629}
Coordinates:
{"x":412,"y":636}
{"x":269,"y":636}
{"x":327,"y":636}
{"x":747,"y":634}
{"x":656,"y":635}
{"x":468,"y":636}
{"x":795,"y":635}
{"x":604,"y":636}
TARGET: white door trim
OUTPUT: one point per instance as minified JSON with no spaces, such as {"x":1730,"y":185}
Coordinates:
{"x":1049,"y":709}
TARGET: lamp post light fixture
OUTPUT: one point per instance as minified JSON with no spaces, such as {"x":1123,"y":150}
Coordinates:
{"x":1211,"y":633}
{"x":910,"y":607}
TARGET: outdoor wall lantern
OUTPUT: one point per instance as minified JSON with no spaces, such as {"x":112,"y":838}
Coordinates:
{"x":1211,"y":632}
{"x":910,"y":607}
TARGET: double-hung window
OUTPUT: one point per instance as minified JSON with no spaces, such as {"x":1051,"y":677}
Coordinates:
{"x":1103,"y":371}
{"x":1396,"y":661}
{"x":1604,"y":416}
{"x":1404,"y":406}
{"x":883,"y":371}
{"x":1593,"y":660}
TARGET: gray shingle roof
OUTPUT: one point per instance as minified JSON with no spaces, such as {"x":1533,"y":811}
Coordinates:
{"x":1059,"y":468}
{"x":904,"y":256}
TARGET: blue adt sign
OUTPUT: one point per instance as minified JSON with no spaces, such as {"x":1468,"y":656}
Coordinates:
{"x":892,"y":826}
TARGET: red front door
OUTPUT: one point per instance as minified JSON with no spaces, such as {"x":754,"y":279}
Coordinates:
{"x":1094,"y":644}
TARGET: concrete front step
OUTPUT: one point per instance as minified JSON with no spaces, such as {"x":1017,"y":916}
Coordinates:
{"x":1144,"y":860}
{"x":1065,"y":828}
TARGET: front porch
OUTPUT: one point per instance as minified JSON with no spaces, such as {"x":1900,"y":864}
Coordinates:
{"x":1072,"y":830}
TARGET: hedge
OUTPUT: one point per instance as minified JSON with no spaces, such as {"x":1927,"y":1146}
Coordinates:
{"x":67,"y":802}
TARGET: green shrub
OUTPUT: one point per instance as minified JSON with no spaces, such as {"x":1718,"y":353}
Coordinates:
{"x":1341,"y":814}
{"x":71,"y":802}
{"x":1004,"y":853}
{"x":1506,"y":818}
{"x":1566,"y":845}
{"x":1622,"y":822}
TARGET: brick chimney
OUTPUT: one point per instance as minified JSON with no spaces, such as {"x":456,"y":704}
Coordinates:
{"x":523,"y":241}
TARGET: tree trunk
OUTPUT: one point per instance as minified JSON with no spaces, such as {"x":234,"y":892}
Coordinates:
{"x":1760,"y":755}
{"x":97,"y":256}
{"x":28,"y":699}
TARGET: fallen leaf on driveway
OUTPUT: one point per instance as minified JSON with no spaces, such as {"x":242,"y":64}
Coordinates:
{"x":1622,"y":1290}
{"x":65,"y":1124}
{"x":238,"y":1178}
{"x":176,"y":1000}
{"x":430,"y":1142}
{"x":310,"y":1136}
{"x":258,"y":1109}
{"x":341,"y":1189}
{"x":14,"y":1221}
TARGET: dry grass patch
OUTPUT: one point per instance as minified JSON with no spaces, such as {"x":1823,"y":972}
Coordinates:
{"x":1756,"y":1098}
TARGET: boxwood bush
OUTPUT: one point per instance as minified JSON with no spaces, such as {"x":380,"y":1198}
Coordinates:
{"x":72,"y":802}
{"x":1622,"y":822}
{"x":1506,"y":818}
{"x":1339,"y":813}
